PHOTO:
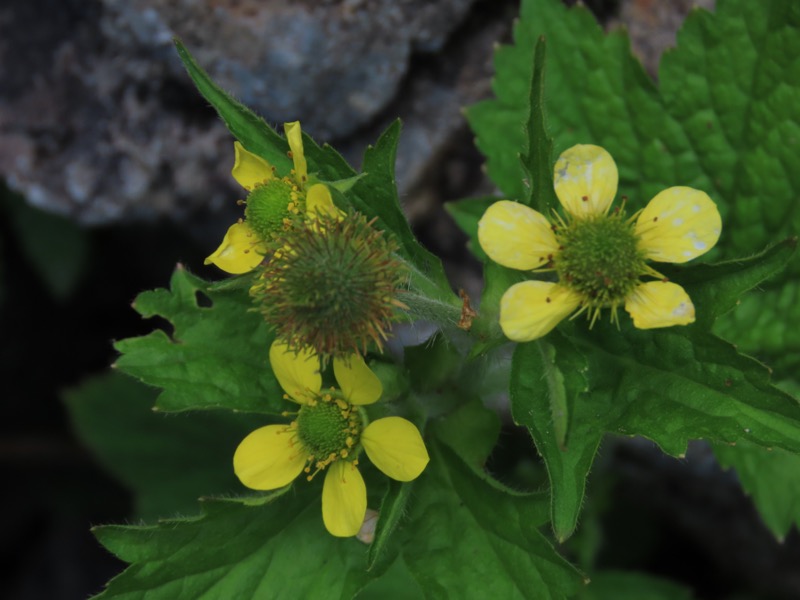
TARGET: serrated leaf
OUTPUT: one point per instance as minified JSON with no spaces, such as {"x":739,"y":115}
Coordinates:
{"x":771,"y":477}
{"x":670,"y":386}
{"x":467,"y":533}
{"x":216,"y":357}
{"x":538,"y":160}
{"x":167,"y":461}
{"x":269,"y":546}
{"x":724,"y":119}
{"x":247,"y":127}
{"x":717,"y":289}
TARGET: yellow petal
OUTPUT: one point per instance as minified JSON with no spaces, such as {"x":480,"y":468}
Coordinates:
{"x":531,"y":309}
{"x":357,"y":381}
{"x":659,"y":304}
{"x":319,"y":201}
{"x":297,"y":372}
{"x":295,"y":140}
{"x":241,"y":250}
{"x":679,"y":224}
{"x":586,"y":180}
{"x":265,"y":460}
{"x":249,"y":169}
{"x":344,"y":499}
{"x":516,"y":236}
{"x":395,"y":446}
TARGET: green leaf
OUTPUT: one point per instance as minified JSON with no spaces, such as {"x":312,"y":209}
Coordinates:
{"x":466,"y":213}
{"x":432,"y":364}
{"x":670,"y":386}
{"x":376,"y":196}
{"x":267,"y":546}
{"x":538,"y":160}
{"x":467,"y":534}
{"x":392,"y":510}
{"x":772,"y":477}
{"x":167,"y":461}
{"x":628,"y":585}
{"x":247,"y":127}
{"x":216,"y":357}
{"x":486,"y":327}
{"x":724,"y":119}
{"x":717,"y":289}
{"x":56,"y":248}
{"x":471,"y":431}
{"x":567,"y":463}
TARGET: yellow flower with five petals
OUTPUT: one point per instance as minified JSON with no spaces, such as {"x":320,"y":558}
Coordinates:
{"x":598,"y":256}
{"x":270,"y":202}
{"x":329,"y":432}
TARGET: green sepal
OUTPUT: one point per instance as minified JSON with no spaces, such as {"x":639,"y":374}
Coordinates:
{"x":344,"y":185}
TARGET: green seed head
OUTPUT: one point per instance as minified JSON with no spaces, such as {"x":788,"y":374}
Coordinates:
{"x":269,"y":205}
{"x":600,"y":259}
{"x":332,"y":285}
{"x":329,"y":428}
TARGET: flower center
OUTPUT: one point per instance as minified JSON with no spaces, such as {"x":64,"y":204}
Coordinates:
{"x":333,"y":286}
{"x":600,"y":259}
{"x":329,"y":428}
{"x":270,"y":204}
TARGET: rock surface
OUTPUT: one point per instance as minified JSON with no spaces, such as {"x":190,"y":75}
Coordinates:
{"x":99,"y":122}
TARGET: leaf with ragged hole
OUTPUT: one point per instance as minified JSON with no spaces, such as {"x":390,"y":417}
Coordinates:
{"x":217,"y":355}
{"x":168,"y":461}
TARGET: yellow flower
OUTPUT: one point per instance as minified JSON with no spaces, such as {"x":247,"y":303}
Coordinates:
{"x":598,"y":256}
{"x":329,"y":432}
{"x":270,"y":202}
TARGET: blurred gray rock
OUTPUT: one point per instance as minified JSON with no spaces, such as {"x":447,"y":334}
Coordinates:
{"x":652,"y":25}
{"x":99,"y":122}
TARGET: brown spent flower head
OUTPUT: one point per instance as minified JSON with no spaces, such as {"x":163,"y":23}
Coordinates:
{"x":331,"y":284}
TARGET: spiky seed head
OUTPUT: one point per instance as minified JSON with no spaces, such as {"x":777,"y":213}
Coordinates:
{"x":332,"y":284}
